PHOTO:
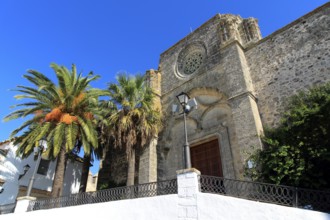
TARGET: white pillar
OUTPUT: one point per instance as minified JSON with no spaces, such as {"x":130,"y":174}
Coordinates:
{"x":22,"y":203}
{"x":188,"y":188}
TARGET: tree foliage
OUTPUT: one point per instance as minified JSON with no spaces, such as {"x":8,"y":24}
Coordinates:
{"x":134,"y":121}
{"x":297,"y":152}
{"x":62,"y":113}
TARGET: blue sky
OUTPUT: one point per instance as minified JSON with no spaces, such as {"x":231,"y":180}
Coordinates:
{"x":107,"y":36}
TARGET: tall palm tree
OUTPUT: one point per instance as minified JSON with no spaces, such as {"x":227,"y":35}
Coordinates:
{"x":60,"y":113}
{"x":136,"y":121}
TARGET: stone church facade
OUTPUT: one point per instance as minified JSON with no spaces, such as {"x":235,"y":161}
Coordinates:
{"x":241,"y":82}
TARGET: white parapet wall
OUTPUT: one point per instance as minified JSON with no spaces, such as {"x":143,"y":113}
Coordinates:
{"x":155,"y":208}
{"x":188,"y":204}
{"x":210,"y":207}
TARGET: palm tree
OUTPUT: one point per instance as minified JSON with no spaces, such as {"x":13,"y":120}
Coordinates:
{"x":136,"y":121}
{"x":60,"y":113}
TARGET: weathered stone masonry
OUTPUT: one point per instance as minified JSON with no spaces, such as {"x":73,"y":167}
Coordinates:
{"x":241,"y":83}
{"x":224,"y":90}
{"x":241,"y":86}
{"x":294,"y":58}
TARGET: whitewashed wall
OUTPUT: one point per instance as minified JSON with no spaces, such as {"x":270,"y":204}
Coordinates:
{"x":188,"y":204}
{"x":154,"y":208}
{"x":9,"y":172}
{"x":11,"y":167}
{"x":210,"y":207}
{"x":72,"y":178}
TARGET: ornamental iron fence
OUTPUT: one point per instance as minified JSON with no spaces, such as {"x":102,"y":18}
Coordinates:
{"x":114,"y":194}
{"x":269,"y":193}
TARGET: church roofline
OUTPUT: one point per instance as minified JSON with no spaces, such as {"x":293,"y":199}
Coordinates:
{"x":288,"y":26}
{"x":218,"y":16}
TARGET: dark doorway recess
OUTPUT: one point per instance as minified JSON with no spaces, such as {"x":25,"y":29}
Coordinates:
{"x":206,"y":158}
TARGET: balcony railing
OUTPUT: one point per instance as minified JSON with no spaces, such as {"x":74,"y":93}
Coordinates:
{"x":120,"y":193}
{"x":270,"y":193}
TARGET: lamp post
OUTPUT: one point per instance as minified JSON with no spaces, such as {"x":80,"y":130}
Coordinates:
{"x":37,"y":151}
{"x":25,"y":169}
{"x":186,"y":104}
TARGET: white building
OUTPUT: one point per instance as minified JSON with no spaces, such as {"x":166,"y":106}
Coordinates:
{"x":14,"y":181}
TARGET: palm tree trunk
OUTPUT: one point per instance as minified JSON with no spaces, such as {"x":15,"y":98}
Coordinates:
{"x":85,"y":173}
{"x":131,"y":169}
{"x":59,"y":174}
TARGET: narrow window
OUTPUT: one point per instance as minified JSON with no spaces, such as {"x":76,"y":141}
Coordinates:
{"x":224,"y":31}
{"x":43,"y":167}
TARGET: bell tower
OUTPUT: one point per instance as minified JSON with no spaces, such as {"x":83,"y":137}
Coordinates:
{"x":148,"y":158}
{"x":234,"y":28}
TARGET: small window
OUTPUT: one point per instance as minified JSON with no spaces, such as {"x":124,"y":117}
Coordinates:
{"x":43,"y":167}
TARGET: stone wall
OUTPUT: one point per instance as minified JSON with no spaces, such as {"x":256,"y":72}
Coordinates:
{"x":294,"y":58}
{"x":241,"y":83}
{"x":207,"y":36}
{"x":212,"y":69}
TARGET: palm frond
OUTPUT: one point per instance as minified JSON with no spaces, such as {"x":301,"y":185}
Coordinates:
{"x":71,"y":132}
{"x":57,"y":115}
{"x":135,"y":122}
{"x":59,"y":138}
{"x":50,"y":143}
{"x":14,"y":115}
{"x":24,"y":125}
{"x":41,"y":77}
{"x":86,"y":144}
{"x":62,"y":77}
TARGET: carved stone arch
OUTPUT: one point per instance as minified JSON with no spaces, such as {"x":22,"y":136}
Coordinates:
{"x":207,"y":95}
{"x":173,"y":149}
{"x":221,"y":105}
{"x":192,"y":125}
{"x":204,"y":90}
{"x":214,"y":115}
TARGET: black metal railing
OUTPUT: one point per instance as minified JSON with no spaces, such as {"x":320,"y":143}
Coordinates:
{"x":270,"y":193}
{"x":120,"y":193}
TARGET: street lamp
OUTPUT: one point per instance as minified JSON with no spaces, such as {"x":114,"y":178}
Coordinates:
{"x":187,"y":104}
{"x":37,"y":151}
{"x":25,"y":169}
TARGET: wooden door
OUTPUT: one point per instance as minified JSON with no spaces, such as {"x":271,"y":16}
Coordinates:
{"x":206,"y":158}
